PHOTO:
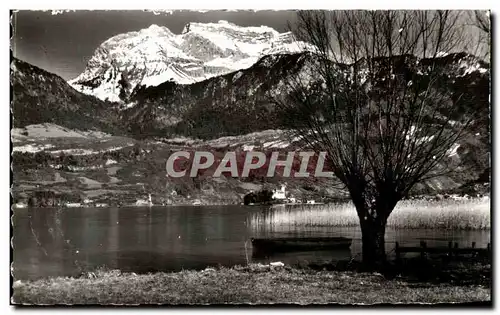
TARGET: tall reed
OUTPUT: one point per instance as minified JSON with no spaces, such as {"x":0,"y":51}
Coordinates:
{"x":473,"y":214}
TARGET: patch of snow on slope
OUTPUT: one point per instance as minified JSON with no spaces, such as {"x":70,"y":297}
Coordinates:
{"x":49,"y":130}
{"x":171,"y":74}
{"x":232,"y":63}
{"x":103,"y":92}
{"x":425,"y":139}
{"x":74,"y":152}
{"x":280,"y":144}
{"x":474,"y":68}
{"x":469,"y":66}
{"x":453,"y":150}
{"x":46,"y":130}
{"x":14,"y":69}
{"x":32,"y":148}
{"x":79,"y":151}
{"x":237,"y":76}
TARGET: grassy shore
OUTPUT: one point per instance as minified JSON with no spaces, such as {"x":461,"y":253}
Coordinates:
{"x":242,"y":285}
{"x":473,"y":214}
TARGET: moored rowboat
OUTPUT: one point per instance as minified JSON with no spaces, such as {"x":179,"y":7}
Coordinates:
{"x":290,"y":244}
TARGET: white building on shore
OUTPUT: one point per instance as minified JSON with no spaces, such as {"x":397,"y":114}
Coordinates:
{"x":280,"y":194}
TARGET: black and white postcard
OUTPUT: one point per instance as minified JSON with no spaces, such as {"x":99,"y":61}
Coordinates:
{"x":250,"y":157}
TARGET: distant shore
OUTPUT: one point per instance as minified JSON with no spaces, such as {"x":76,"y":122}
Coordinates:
{"x":199,"y":202}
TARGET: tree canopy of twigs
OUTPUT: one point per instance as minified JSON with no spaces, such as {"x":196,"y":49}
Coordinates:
{"x":482,"y":22}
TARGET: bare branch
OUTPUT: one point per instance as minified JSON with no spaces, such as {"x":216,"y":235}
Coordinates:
{"x":371,"y":97}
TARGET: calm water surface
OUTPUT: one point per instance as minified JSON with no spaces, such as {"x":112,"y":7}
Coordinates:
{"x":65,"y":242}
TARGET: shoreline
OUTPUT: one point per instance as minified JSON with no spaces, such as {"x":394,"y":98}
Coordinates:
{"x":461,"y":214}
{"x":195,"y":202}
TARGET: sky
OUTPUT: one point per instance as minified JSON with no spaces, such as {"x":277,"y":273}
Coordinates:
{"x":63,"y":43}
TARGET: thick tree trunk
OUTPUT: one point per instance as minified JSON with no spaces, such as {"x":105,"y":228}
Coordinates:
{"x":373,"y":239}
{"x":373,"y":212}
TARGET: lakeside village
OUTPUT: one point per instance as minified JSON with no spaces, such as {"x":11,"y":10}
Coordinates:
{"x":276,"y":196}
{"x":118,"y":186}
{"x":262,"y":197}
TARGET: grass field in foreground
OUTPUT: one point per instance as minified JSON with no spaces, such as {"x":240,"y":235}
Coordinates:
{"x":472,"y":214}
{"x":241,"y":285}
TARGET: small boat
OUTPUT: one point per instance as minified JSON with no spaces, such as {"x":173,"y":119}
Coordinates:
{"x":294,"y":244}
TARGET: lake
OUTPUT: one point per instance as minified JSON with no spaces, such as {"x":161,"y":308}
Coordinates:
{"x":64,"y":242}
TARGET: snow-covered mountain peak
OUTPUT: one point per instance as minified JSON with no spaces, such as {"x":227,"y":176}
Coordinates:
{"x":224,"y":25}
{"x":154,"y":27}
{"x":157,"y":30}
{"x":154,"y":55}
{"x":146,"y":36}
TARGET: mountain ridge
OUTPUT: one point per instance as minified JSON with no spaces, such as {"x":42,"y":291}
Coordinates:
{"x":243,"y":96}
{"x":39,"y":96}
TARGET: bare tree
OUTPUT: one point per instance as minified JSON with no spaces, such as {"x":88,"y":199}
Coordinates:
{"x":371,"y":101}
{"x":482,"y":21}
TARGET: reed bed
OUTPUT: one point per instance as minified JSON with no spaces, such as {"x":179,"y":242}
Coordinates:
{"x":467,"y":214}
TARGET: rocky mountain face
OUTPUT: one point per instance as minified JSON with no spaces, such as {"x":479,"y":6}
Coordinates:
{"x":39,"y":96}
{"x":232,"y":104}
{"x":155,"y":55}
{"x":240,"y":102}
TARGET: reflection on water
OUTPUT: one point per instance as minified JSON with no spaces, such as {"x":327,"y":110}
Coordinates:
{"x":64,"y":242}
